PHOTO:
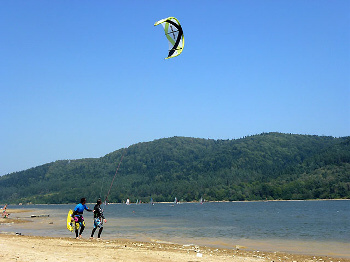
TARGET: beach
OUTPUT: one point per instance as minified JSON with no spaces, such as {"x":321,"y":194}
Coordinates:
{"x":23,"y":247}
{"x":34,"y":248}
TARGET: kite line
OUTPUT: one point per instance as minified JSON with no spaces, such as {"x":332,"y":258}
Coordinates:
{"x":116,"y":172}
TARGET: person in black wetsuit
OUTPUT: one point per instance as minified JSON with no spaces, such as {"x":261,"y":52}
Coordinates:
{"x":78,"y":217}
{"x":98,"y":219}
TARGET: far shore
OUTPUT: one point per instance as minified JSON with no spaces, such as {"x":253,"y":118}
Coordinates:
{"x":183,"y":202}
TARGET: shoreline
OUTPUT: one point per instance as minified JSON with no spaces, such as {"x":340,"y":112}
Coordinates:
{"x":300,"y":249}
{"x":38,"y":248}
{"x":191,"y":202}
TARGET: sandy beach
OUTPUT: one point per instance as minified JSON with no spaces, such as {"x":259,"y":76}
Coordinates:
{"x":33,"y":248}
{"x":19,"y":247}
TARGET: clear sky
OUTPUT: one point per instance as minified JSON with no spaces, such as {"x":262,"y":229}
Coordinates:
{"x":83,"y":78}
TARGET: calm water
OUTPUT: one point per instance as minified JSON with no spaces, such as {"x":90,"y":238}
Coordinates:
{"x":310,"y":227}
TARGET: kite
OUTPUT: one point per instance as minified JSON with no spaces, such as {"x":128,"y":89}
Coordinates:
{"x":174,"y":34}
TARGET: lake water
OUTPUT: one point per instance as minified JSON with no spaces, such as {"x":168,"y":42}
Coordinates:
{"x":308,"y":227}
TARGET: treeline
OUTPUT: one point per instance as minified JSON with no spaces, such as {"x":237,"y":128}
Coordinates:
{"x":266,"y":166}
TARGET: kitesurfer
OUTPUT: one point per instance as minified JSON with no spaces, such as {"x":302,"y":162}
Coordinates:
{"x":78,"y":216}
{"x":98,"y":219}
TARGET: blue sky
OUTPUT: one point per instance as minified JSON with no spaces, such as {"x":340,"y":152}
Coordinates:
{"x":81,"y":79}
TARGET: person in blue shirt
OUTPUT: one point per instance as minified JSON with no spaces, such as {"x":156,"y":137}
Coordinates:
{"x":78,"y":217}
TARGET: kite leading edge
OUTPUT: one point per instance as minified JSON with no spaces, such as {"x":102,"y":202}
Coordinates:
{"x":174,"y":34}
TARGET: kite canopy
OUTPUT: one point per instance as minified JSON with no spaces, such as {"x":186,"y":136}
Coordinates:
{"x":174,"y":34}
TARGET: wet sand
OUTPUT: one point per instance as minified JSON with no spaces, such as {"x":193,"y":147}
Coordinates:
{"x":39,"y":248}
{"x":12,"y":219}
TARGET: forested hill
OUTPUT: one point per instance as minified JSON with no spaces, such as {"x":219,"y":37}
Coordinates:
{"x":265,"y":166}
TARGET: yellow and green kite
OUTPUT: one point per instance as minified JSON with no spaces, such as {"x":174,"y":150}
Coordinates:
{"x":174,"y":34}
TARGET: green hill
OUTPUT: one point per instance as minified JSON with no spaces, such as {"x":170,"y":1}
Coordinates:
{"x":265,"y":166}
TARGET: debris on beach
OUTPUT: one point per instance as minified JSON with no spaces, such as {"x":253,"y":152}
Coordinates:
{"x":199,"y":255}
{"x":39,"y":215}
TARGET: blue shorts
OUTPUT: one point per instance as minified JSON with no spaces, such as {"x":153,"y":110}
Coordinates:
{"x":98,"y":222}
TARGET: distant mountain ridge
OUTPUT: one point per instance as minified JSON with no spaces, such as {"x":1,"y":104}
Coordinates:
{"x":259,"y":167}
